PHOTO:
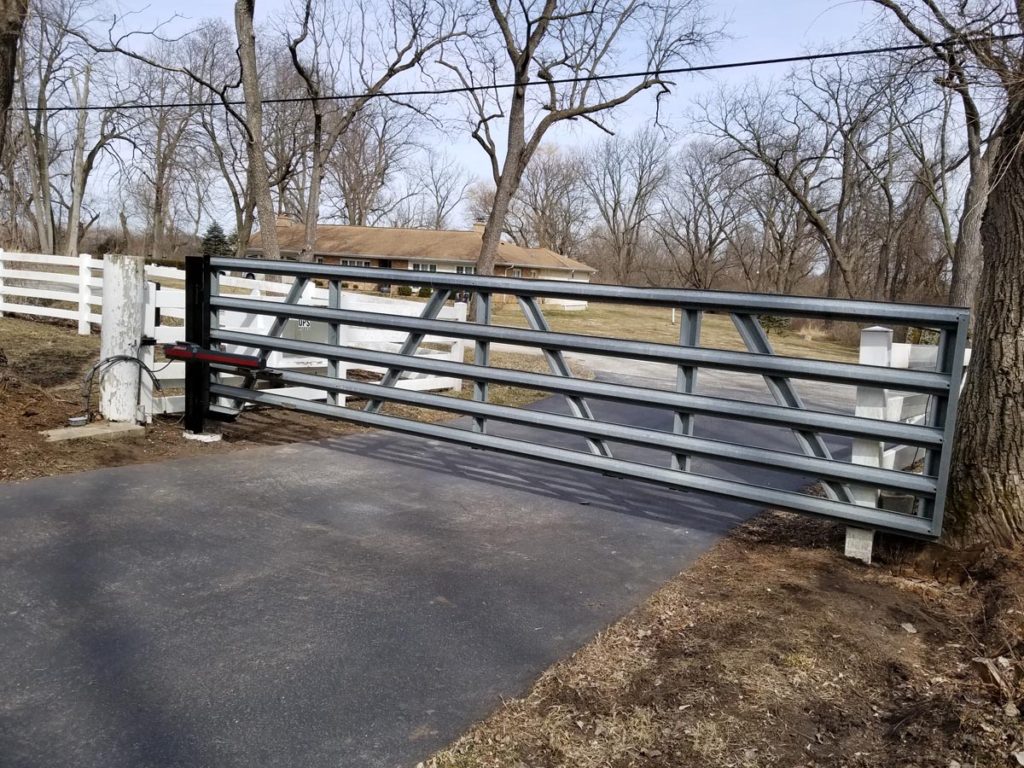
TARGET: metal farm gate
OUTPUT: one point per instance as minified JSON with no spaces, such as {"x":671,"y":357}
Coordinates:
{"x":227,"y":367}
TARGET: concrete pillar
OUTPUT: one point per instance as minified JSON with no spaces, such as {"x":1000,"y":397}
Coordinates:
{"x":123,"y":301}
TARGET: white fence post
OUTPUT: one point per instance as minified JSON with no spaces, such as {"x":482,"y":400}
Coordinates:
{"x":459,"y":347}
{"x":84,"y":293}
{"x":147,"y":354}
{"x":2,"y":299}
{"x":121,"y":334}
{"x":875,"y":349}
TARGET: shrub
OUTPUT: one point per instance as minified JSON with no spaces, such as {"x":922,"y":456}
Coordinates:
{"x":404,"y":290}
{"x":425,"y":292}
{"x":773,"y":323}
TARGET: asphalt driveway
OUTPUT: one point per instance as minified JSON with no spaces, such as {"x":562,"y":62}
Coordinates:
{"x":358,"y":602}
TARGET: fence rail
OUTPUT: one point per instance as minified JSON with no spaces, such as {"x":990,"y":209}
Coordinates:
{"x":843,"y":481}
{"x":56,"y":287}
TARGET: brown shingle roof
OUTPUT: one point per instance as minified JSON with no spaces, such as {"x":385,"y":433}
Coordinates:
{"x":418,"y":244}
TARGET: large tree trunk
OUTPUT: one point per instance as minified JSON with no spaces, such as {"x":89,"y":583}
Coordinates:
{"x":78,"y":171}
{"x":12,"y":21}
{"x":967,"y":252}
{"x":496,"y":220}
{"x":517,"y":155}
{"x":259,"y":174}
{"x":986,"y":499}
{"x":313,"y":201}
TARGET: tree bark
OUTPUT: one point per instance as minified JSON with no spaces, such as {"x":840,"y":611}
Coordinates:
{"x":78,"y":167}
{"x":313,"y":201}
{"x":967,"y":252}
{"x":259,"y":174}
{"x":517,"y":154}
{"x":507,"y":185}
{"x":986,"y":498}
{"x":12,"y":21}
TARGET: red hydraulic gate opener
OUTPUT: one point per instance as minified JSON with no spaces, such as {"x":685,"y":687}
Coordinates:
{"x":183,"y":350}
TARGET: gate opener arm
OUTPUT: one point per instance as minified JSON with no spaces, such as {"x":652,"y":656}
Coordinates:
{"x":187,"y":351}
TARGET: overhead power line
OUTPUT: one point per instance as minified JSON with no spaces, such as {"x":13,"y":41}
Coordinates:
{"x":658,"y":73}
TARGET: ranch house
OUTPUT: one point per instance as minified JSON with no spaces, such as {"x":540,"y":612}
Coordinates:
{"x":427,"y":250}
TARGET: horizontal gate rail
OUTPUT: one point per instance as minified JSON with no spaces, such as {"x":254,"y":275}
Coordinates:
{"x":336,"y":381}
{"x":588,"y":427}
{"x":761,"y":413}
{"x":741,"y":362}
{"x":708,"y":301}
{"x":770,"y":497}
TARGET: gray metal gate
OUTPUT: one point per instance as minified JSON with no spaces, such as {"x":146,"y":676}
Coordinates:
{"x":209,"y":396}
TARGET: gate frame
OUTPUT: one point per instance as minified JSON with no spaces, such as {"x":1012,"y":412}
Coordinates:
{"x":936,"y":436}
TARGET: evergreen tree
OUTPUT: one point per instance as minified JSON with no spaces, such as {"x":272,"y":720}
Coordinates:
{"x":215,"y":242}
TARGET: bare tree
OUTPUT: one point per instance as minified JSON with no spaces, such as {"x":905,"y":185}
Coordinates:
{"x":444,"y":187}
{"x":259,"y":174}
{"x":969,"y":26}
{"x":565,"y":46}
{"x":701,"y":210}
{"x":61,"y":149}
{"x":550,"y":209}
{"x":438,"y":189}
{"x":553,"y":202}
{"x":206,"y":71}
{"x":775,"y":246}
{"x":168,"y":149}
{"x":624,"y":178}
{"x":381,"y":42}
{"x":47,"y":56}
{"x":834,"y":140}
{"x":373,"y":149}
{"x":223,"y":130}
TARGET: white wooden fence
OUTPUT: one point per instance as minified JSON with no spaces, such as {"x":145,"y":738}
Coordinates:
{"x":58,"y":287}
{"x":71,"y":288}
{"x":164,"y":317}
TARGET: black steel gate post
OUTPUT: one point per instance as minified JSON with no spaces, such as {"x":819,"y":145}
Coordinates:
{"x":197,"y":331}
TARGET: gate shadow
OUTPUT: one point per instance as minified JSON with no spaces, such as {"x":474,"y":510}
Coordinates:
{"x":623,"y":496}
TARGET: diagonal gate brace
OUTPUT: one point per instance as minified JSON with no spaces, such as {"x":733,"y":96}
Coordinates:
{"x":556,"y":362}
{"x":756,"y":340}
{"x":411,"y":344}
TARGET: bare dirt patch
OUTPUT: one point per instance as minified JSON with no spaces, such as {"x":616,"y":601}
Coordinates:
{"x":775,"y":651}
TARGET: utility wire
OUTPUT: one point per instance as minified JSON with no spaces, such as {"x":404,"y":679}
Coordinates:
{"x":657,"y":73}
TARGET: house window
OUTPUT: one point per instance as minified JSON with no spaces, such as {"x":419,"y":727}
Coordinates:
{"x":465,"y":270}
{"x":355,"y":263}
{"x":422,"y":267}
{"x":517,"y":272}
{"x":319,"y":259}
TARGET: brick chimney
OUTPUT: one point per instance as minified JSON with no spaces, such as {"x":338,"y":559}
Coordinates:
{"x":284,"y":220}
{"x":479,"y":225}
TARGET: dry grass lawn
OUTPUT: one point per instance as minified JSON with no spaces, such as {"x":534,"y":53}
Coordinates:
{"x":655,"y":324}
